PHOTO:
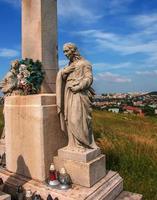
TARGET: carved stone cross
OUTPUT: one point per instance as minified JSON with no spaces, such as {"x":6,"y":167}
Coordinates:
{"x":39,"y":37}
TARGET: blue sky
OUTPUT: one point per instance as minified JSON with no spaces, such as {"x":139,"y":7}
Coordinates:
{"x":119,"y":37}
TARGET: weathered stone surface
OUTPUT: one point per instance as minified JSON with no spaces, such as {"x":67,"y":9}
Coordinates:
{"x":108,"y":188}
{"x":85,"y":156}
{"x":129,"y":196}
{"x":84,"y":174}
{"x":2,"y":146}
{"x":4,"y":196}
{"x":73,"y":92}
{"x":33,"y":134}
{"x":39,"y":37}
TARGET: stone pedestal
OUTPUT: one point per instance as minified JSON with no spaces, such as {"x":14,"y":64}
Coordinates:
{"x":85,"y":168}
{"x":33,"y":134}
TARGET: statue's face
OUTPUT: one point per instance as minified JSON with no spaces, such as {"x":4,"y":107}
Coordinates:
{"x":15,"y":64}
{"x":68,"y":52}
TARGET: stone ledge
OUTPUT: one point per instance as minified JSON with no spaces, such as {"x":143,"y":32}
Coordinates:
{"x":108,"y":188}
{"x":129,"y":196}
{"x":37,"y":99}
{"x":4,"y":196}
{"x":86,"y":156}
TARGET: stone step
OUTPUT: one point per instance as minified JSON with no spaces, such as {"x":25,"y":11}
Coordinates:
{"x":4,"y":196}
{"x":108,"y":188}
{"x":129,"y":196}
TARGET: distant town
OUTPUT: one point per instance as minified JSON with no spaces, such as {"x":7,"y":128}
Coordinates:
{"x":138,"y":103}
{"x":143,"y":104}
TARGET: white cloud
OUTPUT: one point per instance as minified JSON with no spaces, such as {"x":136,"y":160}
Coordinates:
{"x":117,"y":6}
{"x":100,"y":65}
{"x":15,"y":3}
{"x":89,"y":10}
{"x":123,"y":44}
{"x":145,"y":20}
{"x":9,"y":53}
{"x":110,"y":77}
{"x":112,"y":66}
{"x":77,"y":10}
{"x":147,"y":73}
{"x":141,"y":41}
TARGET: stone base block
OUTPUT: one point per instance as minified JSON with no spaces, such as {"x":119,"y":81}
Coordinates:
{"x":33,"y":134}
{"x":84,"y":174}
{"x":84,"y":156}
{"x":4,"y":196}
{"x":108,"y":188}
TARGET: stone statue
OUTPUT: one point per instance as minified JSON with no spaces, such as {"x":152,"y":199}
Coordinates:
{"x":9,"y":83}
{"x":24,"y":78}
{"x":73,"y":92}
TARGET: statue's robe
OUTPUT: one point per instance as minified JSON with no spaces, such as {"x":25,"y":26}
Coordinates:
{"x":75,"y":108}
{"x":7,"y":86}
{"x":8,"y":83}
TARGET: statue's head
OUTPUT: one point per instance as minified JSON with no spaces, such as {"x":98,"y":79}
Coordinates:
{"x":70,"y":51}
{"x":15,"y":64}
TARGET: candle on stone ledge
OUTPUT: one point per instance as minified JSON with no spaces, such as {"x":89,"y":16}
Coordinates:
{"x":49,"y":197}
{"x":19,"y":192}
{"x":64,"y":179}
{"x":29,"y":194}
{"x":37,"y":196}
{"x":53,"y":181}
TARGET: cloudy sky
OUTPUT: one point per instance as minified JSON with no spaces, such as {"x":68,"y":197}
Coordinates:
{"x":119,"y":37}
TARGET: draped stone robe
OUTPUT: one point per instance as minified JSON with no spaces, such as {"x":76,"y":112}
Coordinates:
{"x":75,"y":108}
{"x":8,"y":83}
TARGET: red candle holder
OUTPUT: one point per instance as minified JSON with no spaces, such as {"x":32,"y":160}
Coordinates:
{"x":53,"y":179}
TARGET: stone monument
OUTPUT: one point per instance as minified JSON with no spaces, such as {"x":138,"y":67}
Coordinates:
{"x":39,"y":37}
{"x":9,"y":82}
{"x":32,"y":125}
{"x":32,"y":130}
{"x":74,"y":107}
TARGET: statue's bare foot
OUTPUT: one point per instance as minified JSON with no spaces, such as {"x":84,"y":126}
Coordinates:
{"x":81,"y":149}
{"x":77,"y":148}
{"x":94,"y":146}
{"x":70,"y":147}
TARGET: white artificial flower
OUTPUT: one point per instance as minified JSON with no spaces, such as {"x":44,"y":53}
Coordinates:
{"x":23,"y":67}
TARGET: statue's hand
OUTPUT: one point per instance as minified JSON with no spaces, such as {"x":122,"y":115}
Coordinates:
{"x":75,"y":89}
{"x":68,"y":70}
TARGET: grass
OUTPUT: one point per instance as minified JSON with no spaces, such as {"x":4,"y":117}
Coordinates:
{"x":130,"y":145}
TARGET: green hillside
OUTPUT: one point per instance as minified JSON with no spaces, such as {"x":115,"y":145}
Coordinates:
{"x":130,"y":144}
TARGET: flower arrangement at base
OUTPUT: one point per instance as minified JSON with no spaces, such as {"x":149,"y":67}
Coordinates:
{"x":29,"y":77}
